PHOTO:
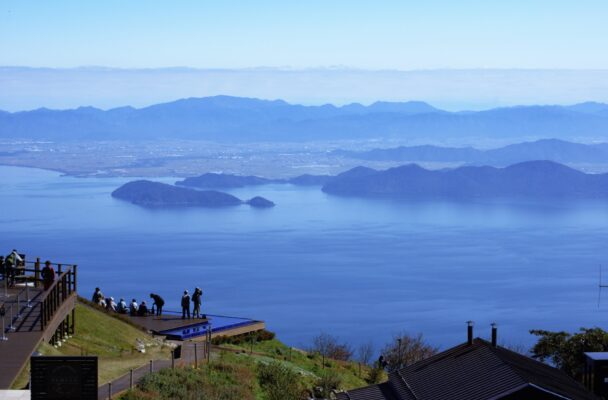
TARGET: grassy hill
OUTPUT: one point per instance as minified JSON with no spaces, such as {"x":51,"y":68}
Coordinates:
{"x":254,"y":370}
{"x":236,"y":372}
{"x":114,"y":341}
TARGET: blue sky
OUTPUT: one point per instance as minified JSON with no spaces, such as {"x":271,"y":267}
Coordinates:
{"x":403,"y":35}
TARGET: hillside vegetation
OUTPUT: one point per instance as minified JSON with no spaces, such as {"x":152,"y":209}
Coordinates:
{"x":112,"y":340}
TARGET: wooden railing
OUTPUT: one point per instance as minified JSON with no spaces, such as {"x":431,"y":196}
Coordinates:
{"x":57,"y":293}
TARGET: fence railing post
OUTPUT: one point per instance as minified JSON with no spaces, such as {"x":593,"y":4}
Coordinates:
{"x":131,"y":378}
{"x":75,"y":275}
{"x":37,"y":272}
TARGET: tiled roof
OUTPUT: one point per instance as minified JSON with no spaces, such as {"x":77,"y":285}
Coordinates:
{"x":374,"y":392}
{"x":479,"y":371}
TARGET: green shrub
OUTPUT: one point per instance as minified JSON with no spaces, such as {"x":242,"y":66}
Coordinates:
{"x":220,"y":380}
{"x":328,"y":381}
{"x":279,"y":382}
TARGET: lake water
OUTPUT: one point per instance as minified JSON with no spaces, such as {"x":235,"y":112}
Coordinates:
{"x":358,"y":269}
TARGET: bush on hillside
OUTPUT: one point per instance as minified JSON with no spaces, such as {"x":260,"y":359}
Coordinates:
{"x":280,"y":382}
{"x":328,"y":380}
{"x":219,"y":380}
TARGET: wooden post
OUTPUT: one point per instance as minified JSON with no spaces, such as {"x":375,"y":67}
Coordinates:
{"x":173,"y":359}
{"x":37,"y":272}
{"x":75,"y":269}
{"x":110,"y":390}
{"x":73,"y":321}
{"x":69,"y":285}
{"x":131,"y":378}
{"x":151,"y":368}
{"x":195,"y":356}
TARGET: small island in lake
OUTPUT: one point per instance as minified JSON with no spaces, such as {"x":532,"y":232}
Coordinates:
{"x":260,"y":202}
{"x":155,"y":194}
{"x":212,"y":180}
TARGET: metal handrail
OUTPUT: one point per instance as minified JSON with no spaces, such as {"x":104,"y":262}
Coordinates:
{"x":9,"y":306}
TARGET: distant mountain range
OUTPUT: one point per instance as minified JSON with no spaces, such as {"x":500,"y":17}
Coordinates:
{"x":545,"y":149}
{"x":224,"y":118}
{"x":542,"y":179}
{"x":155,"y":194}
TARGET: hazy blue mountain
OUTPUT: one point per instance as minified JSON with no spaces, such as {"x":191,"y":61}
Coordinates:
{"x":212,"y":180}
{"x":156,"y":194}
{"x":225,"y":118}
{"x":545,"y":149}
{"x":528,"y":179}
{"x":217,"y":181}
{"x":310,"y":180}
{"x":415,"y":153}
{"x":590,"y":107}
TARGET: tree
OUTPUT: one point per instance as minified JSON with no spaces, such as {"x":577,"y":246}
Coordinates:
{"x":365,"y":353}
{"x":566,"y":351}
{"x":279,"y":382}
{"x":328,"y":347}
{"x":404,"y":350}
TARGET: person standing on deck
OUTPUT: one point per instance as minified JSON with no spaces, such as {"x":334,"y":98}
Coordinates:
{"x":196,"y":300}
{"x":159,"y":302}
{"x":185,"y":305}
{"x":11,"y":262}
{"x":48,"y":275}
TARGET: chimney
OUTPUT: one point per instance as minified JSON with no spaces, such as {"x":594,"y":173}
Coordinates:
{"x":494,"y":333}
{"x":470,"y":332}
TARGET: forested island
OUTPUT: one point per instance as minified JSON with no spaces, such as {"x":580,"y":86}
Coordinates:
{"x":155,"y":194}
{"x":541,"y":179}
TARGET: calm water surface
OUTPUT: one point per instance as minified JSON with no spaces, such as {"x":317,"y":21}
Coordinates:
{"x":359,"y":269}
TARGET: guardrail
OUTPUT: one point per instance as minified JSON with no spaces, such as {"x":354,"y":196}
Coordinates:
{"x":10,"y":309}
{"x":57,"y":293}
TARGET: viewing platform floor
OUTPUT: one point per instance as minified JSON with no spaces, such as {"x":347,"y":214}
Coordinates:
{"x":26,"y":335}
{"x":176,"y":328}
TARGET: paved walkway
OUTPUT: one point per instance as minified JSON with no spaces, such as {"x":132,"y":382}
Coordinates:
{"x":125,"y":382}
{"x":25,"y":335}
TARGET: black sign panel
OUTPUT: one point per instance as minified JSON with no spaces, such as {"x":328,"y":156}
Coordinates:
{"x":67,"y":378}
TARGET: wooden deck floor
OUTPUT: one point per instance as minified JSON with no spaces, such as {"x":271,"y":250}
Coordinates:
{"x":165,"y":322}
{"x":27,"y":334}
{"x":168,"y":322}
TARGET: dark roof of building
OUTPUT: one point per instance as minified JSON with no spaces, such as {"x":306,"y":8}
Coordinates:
{"x":479,"y":371}
{"x":374,"y":392}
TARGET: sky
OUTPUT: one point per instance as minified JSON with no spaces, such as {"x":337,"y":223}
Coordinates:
{"x":401,"y":35}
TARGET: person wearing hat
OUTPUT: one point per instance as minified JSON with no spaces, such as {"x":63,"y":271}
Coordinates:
{"x":98,"y":297}
{"x":196,"y":300}
{"x":111,"y":305}
{"x":11,"y":262}
{"x":185,"y":305}
{"x":48,"y":275}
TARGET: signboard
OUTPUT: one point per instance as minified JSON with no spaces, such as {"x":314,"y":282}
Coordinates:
{"x":67,"y":378}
